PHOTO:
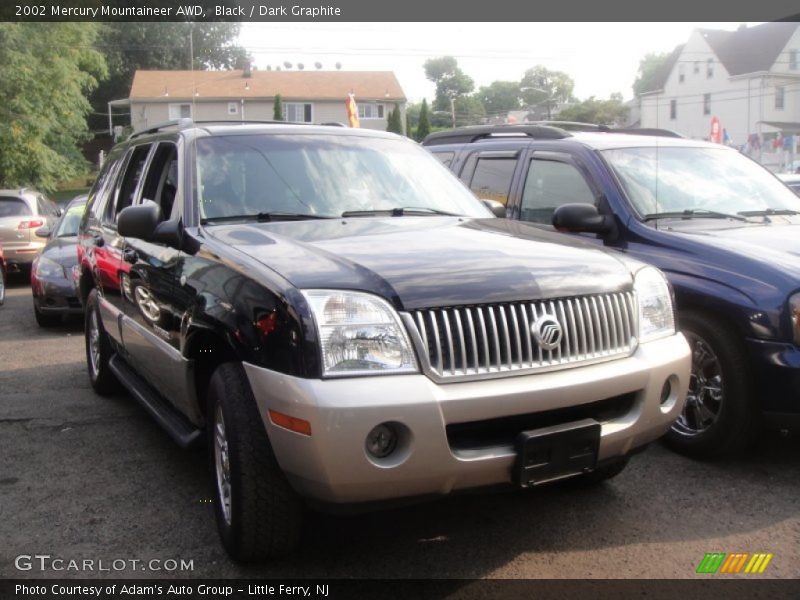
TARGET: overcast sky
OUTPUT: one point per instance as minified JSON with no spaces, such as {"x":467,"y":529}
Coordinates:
{"x":602,"y":58}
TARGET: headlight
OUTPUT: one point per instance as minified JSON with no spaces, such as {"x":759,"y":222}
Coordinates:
{"x":656,"y":319}
{"x":360,"y":334}
{"x":48,"y":268}
{"x":794,"y":311}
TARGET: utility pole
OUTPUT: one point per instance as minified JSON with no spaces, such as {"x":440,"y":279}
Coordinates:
{"x":453,"y":111}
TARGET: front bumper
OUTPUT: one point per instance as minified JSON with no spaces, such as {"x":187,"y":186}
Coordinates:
{"x":332,"y":465}
{"x":776,"y":368}
{"x":56,"y":295}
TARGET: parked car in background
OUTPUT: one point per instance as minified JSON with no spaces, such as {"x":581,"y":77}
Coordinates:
{"x":2,"y":276}
{"x":793,"y":181}
{"x":723,"y":229}
{"x":351,"y":326}
{"x":53,"y":281}
{"x":22,"y":212}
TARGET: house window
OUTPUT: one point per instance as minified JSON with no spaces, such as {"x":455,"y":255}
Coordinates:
{"x":298,"y":112}
{"x":706,"y":104}
{"x":779,"y":96}
{"x":370,"y":111}
{"x":681,"y":73}
{"x":793,"y":60}
{"x":673,"y":109}
{"x":233,"y":108}
{"x":180,"y":111}
{"x":696,"y":67}
{"x":710,"y":68}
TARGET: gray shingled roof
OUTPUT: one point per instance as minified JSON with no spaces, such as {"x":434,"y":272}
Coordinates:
{"x":749,"y":49}
{"x":746,"y":50}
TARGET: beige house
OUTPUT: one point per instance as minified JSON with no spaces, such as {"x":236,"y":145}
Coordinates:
{"x":239,"y":95}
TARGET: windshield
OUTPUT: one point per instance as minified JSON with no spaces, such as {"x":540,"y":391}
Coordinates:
{"x":673,"y":180}
{"x":68,"y":226}
{"x":323,"y":176}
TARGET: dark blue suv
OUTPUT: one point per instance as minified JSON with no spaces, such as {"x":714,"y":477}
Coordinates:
{"x":724,"y":230}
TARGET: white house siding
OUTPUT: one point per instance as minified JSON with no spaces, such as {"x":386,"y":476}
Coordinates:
{"x":739,"y":103}
{"x":148,"y":113}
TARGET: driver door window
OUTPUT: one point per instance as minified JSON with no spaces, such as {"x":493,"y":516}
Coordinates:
{"x":550,"y":184}
{"x":129,"y":183}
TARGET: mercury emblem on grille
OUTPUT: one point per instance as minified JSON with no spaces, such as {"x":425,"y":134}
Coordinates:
{"x":547,"y":332}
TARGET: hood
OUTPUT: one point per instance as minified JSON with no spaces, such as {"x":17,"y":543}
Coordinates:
{"x":429,"y":261}
{"x":63,"y":250}
{"x":776,"y":245}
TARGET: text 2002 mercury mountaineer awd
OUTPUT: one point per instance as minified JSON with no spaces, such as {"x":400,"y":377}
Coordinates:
{"x":350,"y":325}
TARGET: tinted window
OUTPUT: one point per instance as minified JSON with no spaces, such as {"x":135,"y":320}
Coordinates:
{"x":444,"y":157}
{"x":13,"y":207}
{"x":492,"y":178}
{"x":548,"y":185}
{"x":129,"y":182}
{"x":101,"y":187}
{"x":161,"y":183}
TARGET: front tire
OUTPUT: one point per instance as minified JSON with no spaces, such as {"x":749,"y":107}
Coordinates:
{"x":258,"y":514}
{"x":720,"y":416}
{"x":98,"y":349}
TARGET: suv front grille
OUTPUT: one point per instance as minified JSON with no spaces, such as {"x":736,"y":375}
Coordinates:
{"x":466,"y":341}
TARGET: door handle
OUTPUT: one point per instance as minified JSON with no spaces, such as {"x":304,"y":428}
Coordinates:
{"x":98,"y":240}
{"x":130,"y":256}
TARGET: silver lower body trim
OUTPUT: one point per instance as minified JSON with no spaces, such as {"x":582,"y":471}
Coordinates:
{"x":332,"y":465}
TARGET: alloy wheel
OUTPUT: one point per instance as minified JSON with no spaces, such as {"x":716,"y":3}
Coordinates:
{"x":706,"y":390}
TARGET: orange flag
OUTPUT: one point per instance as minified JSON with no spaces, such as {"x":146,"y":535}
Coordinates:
{"x":352,"y":110}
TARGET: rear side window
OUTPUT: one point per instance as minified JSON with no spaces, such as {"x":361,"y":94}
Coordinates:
{"x":13,"y":207}
{"x":492,"y":178}
{"x":548,"y":185}
{"x":446,"y":158}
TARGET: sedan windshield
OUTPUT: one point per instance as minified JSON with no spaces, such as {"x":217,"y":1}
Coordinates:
{"x":698,"y":182}
{"x":68,"y":226}
{"x":278,"y":177}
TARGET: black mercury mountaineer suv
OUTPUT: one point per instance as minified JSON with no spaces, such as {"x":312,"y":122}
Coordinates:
{"x":349,"y":325}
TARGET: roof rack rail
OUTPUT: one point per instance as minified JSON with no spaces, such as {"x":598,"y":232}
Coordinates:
{"x":177,"y":123}
{"x":473,"y":133}
{"x":573,"y":125}
{"x":648,"y":131}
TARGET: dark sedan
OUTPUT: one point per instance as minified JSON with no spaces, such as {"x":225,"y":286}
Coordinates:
{"x":52,"y":281}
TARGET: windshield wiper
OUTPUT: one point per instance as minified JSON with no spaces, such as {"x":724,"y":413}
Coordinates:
{"x":769,"y":211}
{"x":399,"y":211}
{"x":691,"y":213}
{"x":263,"y":217}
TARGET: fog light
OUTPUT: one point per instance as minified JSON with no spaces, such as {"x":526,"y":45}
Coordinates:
{"x":381,"y":441}
{"x":666,"y":392}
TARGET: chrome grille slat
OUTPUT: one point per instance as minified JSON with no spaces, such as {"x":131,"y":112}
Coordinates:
{"x":497,"y":339}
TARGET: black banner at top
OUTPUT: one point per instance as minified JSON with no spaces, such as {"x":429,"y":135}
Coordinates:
{"x":407,"y":10}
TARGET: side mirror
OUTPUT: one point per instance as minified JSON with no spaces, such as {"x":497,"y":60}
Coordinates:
{"x":139,"y":221}
{"x":580,"y":218}
{"x":43,"y":232}
{"x":498,"y":210}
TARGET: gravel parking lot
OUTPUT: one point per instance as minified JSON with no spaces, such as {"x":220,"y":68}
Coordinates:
{"x":84,"y":477}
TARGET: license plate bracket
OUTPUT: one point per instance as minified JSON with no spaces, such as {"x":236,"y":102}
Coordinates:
{"x":557,"y":452}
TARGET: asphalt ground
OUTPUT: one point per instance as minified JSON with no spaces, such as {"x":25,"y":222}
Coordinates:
{"x":84,"y":477}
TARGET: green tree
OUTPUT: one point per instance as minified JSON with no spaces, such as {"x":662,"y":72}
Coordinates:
{"x":46,"y":72}
{"x":163,"y":46}
{"x":651,"y":69}
{"x":408,"y":125}
{"x":469,"y":110}
{"x":543,"y":87}
{"x":499,"y":97}
{"x":602,"y":112}
{"x":395,"y":123}
{"x":277,"y":108}
{"x":424,"y":124}
{"x":451,"y":82}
